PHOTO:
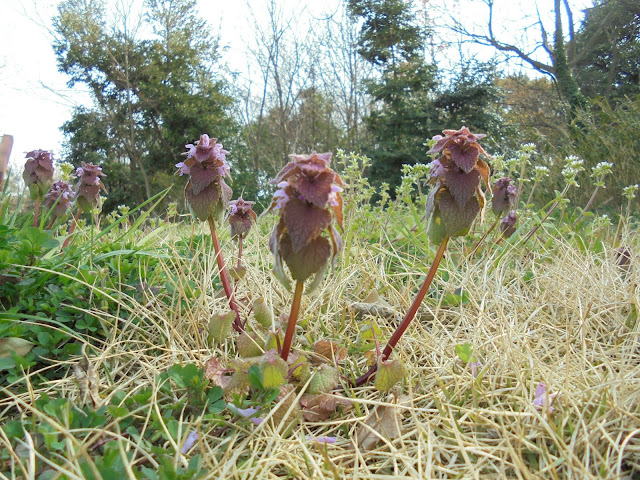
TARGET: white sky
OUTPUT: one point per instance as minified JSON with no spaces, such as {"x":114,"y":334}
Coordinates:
{"x":34,"y":99}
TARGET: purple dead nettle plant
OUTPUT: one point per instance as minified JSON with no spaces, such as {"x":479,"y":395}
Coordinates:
{"x":504,"y":195}
{"x":38,"y":176}
{"x":59,"y":199}
{"x":208,"y":197}
{"x":452,"y":206}
{"x":305,"y":237}
{"x":503,"y":198}
{"x":241,"y":219}
{"x":87,"y":193}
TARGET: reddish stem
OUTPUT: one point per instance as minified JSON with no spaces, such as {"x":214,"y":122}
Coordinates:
{"x":71,"y":230}
{"x":224,"y":277}
{"x":411,"y":313}
{"x":37,"y":212}
{"x":239,"y":252}
{"x":486,"y":234}
{"x":293,"y":318}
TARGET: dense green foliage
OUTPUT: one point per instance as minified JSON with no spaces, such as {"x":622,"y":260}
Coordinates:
{"x":152,"y":94}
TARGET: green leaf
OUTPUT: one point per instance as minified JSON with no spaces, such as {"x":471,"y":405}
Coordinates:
{"x":464,"y":352}
{"x":389,"y":373}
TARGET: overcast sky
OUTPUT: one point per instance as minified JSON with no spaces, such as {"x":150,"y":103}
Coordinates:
{"x":34,"y":98}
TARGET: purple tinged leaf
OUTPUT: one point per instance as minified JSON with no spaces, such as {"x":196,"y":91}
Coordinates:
{"x":201,"y":177}
{"x":316,"y":188}
{"x":462,"y":185}
{"x":457,"y":219}
{"x":189,"y":442}
{"x":203,"y":204}
{"x":307,"y":261}
{"x":464,"y":155}
{"x":304,"y":222}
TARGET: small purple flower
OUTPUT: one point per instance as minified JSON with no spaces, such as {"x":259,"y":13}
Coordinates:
{"x":88,"y":186}
{"x":60,"y":195}
{"x":504,"y":195}
{"x":323,"y":439}
{"x":334,"y":200}
{"x":246,"y":413}
{"x":189,"y":442}
{"x":508,"y":224}
{"x":475,"y":368}
{"x":206,"y":191}
{"x":241,"y":217}
{"x":542,"y":399}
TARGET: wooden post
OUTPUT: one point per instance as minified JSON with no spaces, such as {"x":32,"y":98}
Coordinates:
{"x":5,"y":153}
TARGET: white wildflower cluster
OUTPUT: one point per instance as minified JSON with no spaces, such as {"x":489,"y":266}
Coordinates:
{"x":124,"y":210}
{"x":573,"y":166}
{"x":540,"y":172}
{"x":498,"y":165}
{"x":602,"y":221}
{"x":600,"y":171}
{"x":630,"y":192}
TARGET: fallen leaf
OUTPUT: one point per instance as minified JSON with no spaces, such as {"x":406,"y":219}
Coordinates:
{"x":87,"y":379}
{"x":320,"y":407}
{"x":16,"y":345}
{"x":214,"y":371}
{"x":383,"y":423}
{"x":330,"y":350}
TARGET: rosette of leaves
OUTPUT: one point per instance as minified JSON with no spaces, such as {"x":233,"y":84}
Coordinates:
{"x":89,"y":186}
{"x":59,"y":198}
{"x":38,"y":173}
{"x":241,"y":218}
{"x":456,"y":198}
{"x":206,"y":191}
{"x":305,"y":237}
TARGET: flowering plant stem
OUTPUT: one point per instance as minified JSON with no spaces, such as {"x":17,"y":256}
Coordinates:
{"x":587,"y":206}
{"x":551,"y":210}
{"x":411,"y":313}
{"x":293,"y":318}
{"x":71,"y":230}
{"x":224,"y":277}
{"x":36,"y":214}
{"x":486,"y":234}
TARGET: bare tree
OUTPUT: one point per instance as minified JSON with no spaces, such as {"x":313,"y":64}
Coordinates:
{"x":553,"y":54}
{"x":343,"y":72}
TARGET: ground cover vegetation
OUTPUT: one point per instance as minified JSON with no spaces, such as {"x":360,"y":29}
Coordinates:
{"x":418,"y":300}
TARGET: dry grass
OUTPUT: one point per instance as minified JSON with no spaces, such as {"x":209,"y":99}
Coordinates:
{"x":555,"y":315}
